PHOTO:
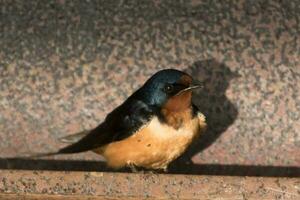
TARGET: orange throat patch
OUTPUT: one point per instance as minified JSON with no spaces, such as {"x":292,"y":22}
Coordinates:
{"x":178,"y":110}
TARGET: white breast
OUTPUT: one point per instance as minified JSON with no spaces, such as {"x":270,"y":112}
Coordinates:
{"x":169,"y":143}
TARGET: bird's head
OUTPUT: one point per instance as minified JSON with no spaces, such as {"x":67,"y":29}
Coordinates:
{"x":169,"y":88}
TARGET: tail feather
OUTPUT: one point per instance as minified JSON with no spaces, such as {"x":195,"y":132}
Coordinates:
{"x":86,"y":140}
{"x":65,"y":150}
{"x":33,"y":155}
{"x":80,"y":142}
{"x":70,"y":139}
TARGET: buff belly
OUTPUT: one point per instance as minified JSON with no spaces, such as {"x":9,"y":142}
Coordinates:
{"x":154,"y":146}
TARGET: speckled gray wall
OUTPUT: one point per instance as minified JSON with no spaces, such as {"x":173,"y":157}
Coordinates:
{"x":65,"y":64}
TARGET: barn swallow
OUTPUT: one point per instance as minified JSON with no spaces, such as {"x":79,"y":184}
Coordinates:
{"x":151,"y":128}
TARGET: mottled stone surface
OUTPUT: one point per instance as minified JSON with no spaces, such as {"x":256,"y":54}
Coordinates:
{"x":65,"y":64}
{"x":146,"y":186}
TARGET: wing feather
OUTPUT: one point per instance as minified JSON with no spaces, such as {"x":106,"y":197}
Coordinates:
{"x":121,"y":123}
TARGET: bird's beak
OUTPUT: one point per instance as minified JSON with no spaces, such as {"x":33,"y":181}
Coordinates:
{"x":193,"y":86}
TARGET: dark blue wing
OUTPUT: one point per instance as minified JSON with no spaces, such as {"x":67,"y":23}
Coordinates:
{"x":121,"y":123}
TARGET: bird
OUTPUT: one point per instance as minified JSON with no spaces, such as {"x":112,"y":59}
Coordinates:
{"x":150,"y":129}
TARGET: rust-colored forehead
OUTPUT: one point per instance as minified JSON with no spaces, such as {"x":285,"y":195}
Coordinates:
{"x":186,"y":80}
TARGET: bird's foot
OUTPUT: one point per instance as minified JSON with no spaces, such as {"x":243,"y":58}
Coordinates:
{"x":133,"y":168}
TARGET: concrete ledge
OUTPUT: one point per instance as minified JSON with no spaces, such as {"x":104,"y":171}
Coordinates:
{"x":48,"y":197}
{"x":23,"y":184}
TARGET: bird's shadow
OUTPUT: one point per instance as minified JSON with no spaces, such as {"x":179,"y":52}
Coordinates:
{"x":220,"y":113}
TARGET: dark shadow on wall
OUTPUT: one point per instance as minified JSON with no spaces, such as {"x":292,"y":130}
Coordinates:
{"x":220,"y":112}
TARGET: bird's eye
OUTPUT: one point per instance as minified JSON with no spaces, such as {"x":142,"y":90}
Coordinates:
{"x":169,"y":88}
